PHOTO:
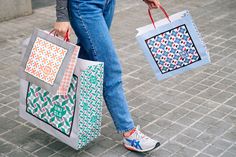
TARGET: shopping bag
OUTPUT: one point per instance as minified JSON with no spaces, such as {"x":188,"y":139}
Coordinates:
{"x":49,"y":62}
{"x":75,"y":118}
{"x":172,"y":45}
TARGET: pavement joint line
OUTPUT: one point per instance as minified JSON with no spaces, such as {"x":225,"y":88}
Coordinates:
{"x":133,"y":77}
{"x":134,"y":89}
{"x":8,"y":132}
{"x":110,"y":148}
{"x":183,"y":129}
{"x":42,"y":147}
{"x":17,"y":147}
{"x":8,"y":111}
{"x":216,"y":138}
{"x":130,"y":73}
{"x":7,"y":105}
{"x":227,"y":99}
{"x":208,"y":85}
{"x":208,"y":114}
{"x":127,"y":46}
{"x":232,"y":144}
{"x":88,"y":153}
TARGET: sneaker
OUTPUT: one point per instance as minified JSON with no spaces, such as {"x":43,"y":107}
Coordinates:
{"x":137,"y":141}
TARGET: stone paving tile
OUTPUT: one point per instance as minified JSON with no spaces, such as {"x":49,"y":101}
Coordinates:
{"x":192,"y":114}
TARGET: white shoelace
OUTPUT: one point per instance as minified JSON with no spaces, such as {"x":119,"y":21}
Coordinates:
{"x":139,"y":134}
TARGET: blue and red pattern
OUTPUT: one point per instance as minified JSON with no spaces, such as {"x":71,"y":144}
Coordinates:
{"x":173,"y":49}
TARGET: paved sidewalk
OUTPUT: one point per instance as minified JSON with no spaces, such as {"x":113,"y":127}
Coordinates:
{"x":193,"y":114}
{"x":42,"y":3}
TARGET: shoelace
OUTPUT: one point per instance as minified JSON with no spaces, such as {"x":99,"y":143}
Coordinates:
{"x":139,"y":134}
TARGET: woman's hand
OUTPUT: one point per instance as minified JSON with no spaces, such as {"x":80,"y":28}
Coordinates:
{"x":152,"y":4}
{"x":61,"y":28}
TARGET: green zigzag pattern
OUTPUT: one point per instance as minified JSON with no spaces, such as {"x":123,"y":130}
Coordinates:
{"x":56,"y":110}
{"x":90,"y":112}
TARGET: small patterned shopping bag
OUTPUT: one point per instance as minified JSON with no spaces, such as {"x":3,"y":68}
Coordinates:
{"x":172,"y":45}
{"x":49,"y":62}
{"x":74,"y":118}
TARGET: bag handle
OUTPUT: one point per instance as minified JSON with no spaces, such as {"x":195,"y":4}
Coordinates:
{"x":66,"y":37}
{"x":164,"y":12}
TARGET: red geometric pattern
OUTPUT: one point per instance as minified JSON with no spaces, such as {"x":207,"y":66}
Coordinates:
{"x":45,"y":60}
{"x":65,"y":83}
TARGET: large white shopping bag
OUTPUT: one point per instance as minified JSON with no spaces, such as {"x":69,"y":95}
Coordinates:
{"x":74,"y":118}
{"x":172,"y":45}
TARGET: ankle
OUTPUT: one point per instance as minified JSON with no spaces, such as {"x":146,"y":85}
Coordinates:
{"x":128,"y":133}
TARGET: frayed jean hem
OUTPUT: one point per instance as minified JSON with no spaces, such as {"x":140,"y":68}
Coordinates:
{"x":126,"y":130}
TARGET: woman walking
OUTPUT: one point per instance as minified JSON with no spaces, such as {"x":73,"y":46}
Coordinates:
{"x":91,"y":20}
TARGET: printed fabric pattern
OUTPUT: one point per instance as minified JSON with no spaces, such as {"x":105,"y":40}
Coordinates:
{"x":55,"y":110}
{"x":65,"y":83}
{"x":173,"y":49}
{"x":45,"y":60}
{"x":90,"y":113}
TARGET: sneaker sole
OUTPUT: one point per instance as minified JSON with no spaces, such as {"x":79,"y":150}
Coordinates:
{"x":141,"y":151}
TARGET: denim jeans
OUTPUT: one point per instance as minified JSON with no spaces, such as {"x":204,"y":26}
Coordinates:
{"x":91,"y":20}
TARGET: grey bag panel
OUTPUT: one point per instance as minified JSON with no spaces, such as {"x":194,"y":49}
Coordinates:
{"x":57,"y":41}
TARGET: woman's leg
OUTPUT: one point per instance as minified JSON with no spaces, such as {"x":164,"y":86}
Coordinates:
{"x":108,"y":13}
{"x":83,"y":53}
{"x":89,"y":24}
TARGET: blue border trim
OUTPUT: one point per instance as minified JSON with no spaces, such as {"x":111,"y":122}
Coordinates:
{"x":200,"y":47}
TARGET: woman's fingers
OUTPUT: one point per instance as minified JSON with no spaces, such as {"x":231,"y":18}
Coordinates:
{"x":157,"y":3}
{"x":60,"y":32}
{"x":61,"y":28}
{"x":69,"y":31}
{"x":152,"y":4}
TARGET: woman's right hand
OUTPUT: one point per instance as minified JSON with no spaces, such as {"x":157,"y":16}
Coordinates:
{"x":152,"y":4}
{"x":61,"y":28}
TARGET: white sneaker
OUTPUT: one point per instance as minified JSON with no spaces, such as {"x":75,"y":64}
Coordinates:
{"x":139,"y":142}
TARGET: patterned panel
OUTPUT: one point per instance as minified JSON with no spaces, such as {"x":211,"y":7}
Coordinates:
{"x":90,"y":112}
{"x":45,"y":60}
{"x":55,"y":110}
{"x":65,"y":82}
{"x":173,"y":49}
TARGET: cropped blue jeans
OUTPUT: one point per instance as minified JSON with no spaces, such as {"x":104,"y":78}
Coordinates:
{"x":91,"y":20}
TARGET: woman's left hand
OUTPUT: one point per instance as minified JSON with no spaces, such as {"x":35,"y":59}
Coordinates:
{"x":152,"y":4}
{"x":61,"y":28}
